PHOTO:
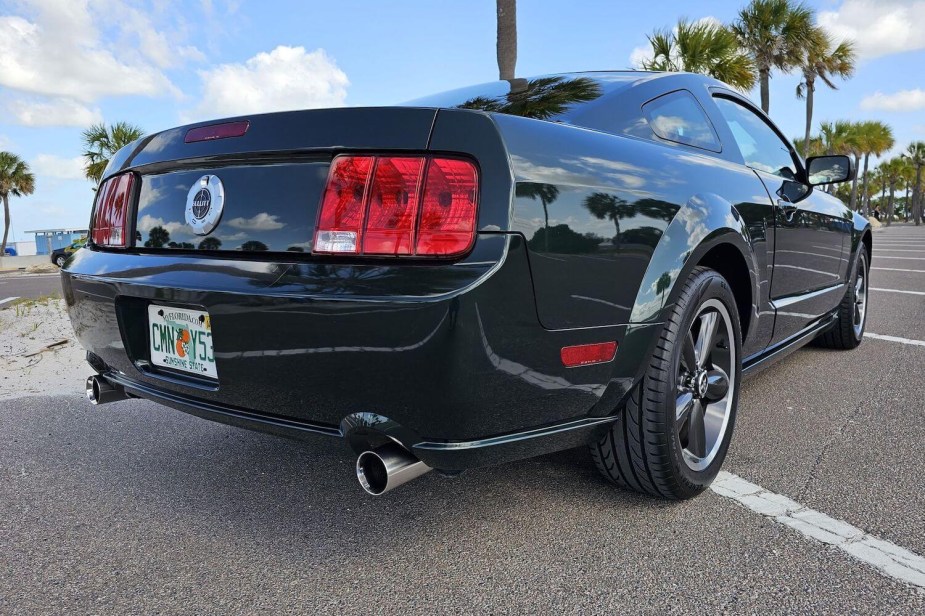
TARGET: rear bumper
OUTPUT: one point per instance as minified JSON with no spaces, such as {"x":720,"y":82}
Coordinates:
{"x":450,"y":360}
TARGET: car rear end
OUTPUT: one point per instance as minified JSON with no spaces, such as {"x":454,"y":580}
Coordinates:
{"x":345,"y":272}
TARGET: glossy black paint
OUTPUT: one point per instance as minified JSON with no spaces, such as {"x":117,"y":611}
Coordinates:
{"x":587,"y":222}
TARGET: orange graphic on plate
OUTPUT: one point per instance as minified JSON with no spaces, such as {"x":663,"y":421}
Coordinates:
{"x":183,"y":342}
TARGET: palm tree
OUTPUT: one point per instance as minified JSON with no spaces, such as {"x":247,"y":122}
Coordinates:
{"x":893,"y":171}
{"x":823,"y":60}
{"x":604,"y":206}
{"x":546,"y":193}
{"x":837,"y":138}
{"x":701,"y":47}
{"x":875,"y":138}
{"x":811,"y":146}
{"x":102,"y":141}
{"x":507,"y":38}
{"x":776,"y":34}
{"x":915,"y":154}
{"x":16,"y":180}
{"x":541,"y":98}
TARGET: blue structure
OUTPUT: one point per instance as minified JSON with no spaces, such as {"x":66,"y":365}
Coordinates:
{"x":47,"y":240}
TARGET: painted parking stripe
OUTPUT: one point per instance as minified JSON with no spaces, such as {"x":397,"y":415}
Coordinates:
{"x":878,"y":250}
{"x":8,"y":299}
{"x":897,"y":291}
{"x":880,"y":256}
{"x":887,"y":557}
{"x":908,"y":341}
{"x":896,"y":269}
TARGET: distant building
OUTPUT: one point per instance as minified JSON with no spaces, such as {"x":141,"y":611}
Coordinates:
{"x":47,"y":240}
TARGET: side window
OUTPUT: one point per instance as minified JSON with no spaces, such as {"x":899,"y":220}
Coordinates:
{"x":761,"y":147}
{"x":678,"y":117}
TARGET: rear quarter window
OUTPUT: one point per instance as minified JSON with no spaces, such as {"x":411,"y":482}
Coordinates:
{"x":679,"y":118}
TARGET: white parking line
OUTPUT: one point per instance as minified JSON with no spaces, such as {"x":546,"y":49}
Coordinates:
{"x":897,"y":291}
{"x":894,"y":269}
{"x":895,"y":339}
{"x":879,"y":250}
{"x":879,"y":256}
{"x":8,"y":299}
{"x":885,"y":556}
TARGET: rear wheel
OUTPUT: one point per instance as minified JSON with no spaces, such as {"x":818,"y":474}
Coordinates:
{"x":672,"y":436}
{"x":852,"y":312}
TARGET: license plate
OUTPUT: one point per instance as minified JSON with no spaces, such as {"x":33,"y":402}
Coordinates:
{"x":181,"y":339}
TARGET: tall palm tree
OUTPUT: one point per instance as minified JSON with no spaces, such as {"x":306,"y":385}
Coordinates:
{"x":875,"y":138}
{"x":837,"y":138}
{"x":102,"y":141}
{"x":16,"y":180}
{"x":915,"y":154}
{"x":811,"y":146}
{"x":776,"y":34}
{"x":701,"y":47}
{"x":893,"y":174}
{"x":823,"y":60}
{"x":507,"y":38}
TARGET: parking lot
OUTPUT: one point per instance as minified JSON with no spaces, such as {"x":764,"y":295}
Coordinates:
{"x":133,"y":508}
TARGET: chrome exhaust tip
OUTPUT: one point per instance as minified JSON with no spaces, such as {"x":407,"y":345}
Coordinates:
{"x":101,"y":391}
{"x":388,"y":467}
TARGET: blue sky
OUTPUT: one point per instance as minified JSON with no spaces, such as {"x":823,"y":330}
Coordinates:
{"x":159,"y":63}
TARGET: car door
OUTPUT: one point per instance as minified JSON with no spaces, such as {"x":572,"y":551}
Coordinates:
{"x":809,"y":230}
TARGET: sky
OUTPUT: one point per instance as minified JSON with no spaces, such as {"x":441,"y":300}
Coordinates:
{"x":66,"y":64}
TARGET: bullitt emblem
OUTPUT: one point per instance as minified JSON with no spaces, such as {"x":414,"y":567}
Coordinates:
{"x":204,"y":204}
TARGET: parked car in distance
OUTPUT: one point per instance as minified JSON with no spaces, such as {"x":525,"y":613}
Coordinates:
{"x":476,"y":277}
{"x":10,"y":251}
{"x":60,"y":255}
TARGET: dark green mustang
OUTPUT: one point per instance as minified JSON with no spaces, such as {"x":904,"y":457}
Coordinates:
{"x":480,"y":276}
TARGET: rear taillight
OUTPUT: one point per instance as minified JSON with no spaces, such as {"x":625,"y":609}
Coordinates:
{"x":398,"y":206}
{"x":111,"y":214}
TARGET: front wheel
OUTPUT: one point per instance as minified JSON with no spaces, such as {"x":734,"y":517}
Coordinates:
{"x":672,"y":435}
{"x":59,"y":260}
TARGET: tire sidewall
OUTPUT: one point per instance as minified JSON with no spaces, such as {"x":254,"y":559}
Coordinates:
{"x":859,"y":262}
{"x":711,"y":286}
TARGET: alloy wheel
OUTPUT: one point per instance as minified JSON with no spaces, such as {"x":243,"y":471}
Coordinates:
{"x":860,"y":297}
{"x":705,"y":385}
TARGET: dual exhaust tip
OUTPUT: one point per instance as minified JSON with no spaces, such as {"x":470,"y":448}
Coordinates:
{"x":385,"y":468}
{"x":379,"y":470}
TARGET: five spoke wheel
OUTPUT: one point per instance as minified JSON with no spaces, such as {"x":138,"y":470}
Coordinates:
{"x":704,"y":389}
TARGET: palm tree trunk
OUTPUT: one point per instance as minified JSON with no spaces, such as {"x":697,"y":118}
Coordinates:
{"x":889,"y":207}
{"x":916,"y":196}
{"x":507,"y":38}
{"x":764,"y":77}
{"x":854,"y":184}
{"x":864,"y":200}
{"x":6,"y":222}
{"x":810,"y":89}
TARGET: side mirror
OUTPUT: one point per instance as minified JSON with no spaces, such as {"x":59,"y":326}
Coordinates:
{"x":829,"y":169}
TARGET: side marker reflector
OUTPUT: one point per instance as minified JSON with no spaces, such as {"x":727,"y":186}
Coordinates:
{"x":585,"y":354}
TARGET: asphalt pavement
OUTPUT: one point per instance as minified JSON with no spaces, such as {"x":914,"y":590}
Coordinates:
{"x":16,"y":285}
{"x":133,"y":508}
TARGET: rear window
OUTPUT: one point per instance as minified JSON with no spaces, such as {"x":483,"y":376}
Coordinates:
{"x":678,"y":117}
{"x":553,"y":97}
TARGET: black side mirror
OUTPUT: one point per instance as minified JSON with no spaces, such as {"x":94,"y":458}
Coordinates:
{"x":829,"y":169}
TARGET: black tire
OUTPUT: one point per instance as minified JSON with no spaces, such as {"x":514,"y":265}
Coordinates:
{"x":59,"y":260}
{"x":846,"y":333}
{"x":644,"y":449}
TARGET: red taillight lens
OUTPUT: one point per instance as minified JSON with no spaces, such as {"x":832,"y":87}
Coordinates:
{"x":111,"y":213}
{"x":448,"y":214}
{"x":343,"y":207}
{"x":584,"y":354}
{"x":398,"y":206}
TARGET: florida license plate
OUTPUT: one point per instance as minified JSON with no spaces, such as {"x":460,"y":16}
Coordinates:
{"x":181,"y":339}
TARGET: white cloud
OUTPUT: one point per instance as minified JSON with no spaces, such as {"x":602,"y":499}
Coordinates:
{"x":53,"y":112}
{"x":284,"y":79}
{"x":148,"y":222}
{"x":260,"y":222}
{"x":6,"y":143}
{"x":903,"y":100}
{"x":59,"y":167}
{"x":878,"y":27}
